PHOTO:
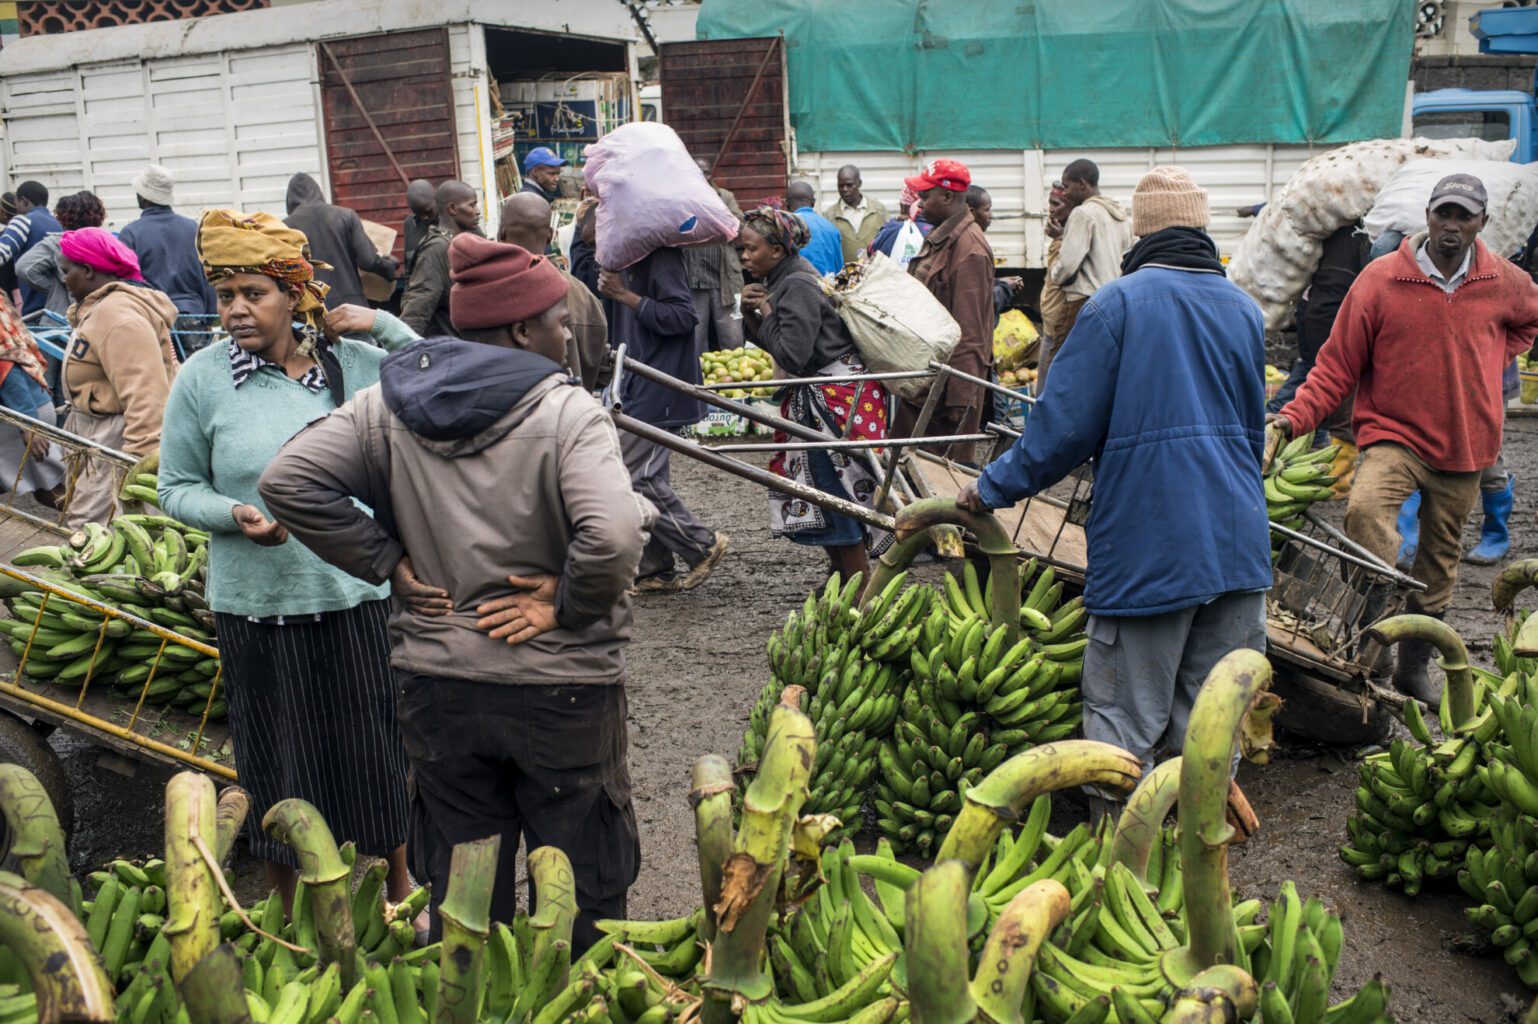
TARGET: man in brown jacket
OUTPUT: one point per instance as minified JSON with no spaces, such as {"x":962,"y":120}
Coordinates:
{"x":506,"y":523}
{"x":956,"y":265}
{"x":524,"y":221}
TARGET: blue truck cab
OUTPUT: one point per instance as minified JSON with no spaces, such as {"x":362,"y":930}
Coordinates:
{"x":1490,"y":114}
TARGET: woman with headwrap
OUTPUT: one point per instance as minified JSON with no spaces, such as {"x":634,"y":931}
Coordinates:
{"x":306,"y":659}
{"x":787,"y":313}
{"x":120,"y":364}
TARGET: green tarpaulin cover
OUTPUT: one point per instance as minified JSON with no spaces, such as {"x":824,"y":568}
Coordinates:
{"x":1066,"y":74}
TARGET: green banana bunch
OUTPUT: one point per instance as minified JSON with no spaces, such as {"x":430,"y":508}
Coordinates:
{"x":1298,"y":477}
{"x":851,"y":660}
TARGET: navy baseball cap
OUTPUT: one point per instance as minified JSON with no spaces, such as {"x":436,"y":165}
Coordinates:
{"x":541,"y":156}
{"x":1463,"y":190}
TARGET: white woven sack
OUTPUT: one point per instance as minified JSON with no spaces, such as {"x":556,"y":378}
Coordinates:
{"x":896,"y":323}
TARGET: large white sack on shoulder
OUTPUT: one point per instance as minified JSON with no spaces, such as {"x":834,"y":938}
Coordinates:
{"x":896,"y":323}
{"x":1513,"y":190}
{"x":1273,"y":264}
{"x":651,"y":195}
{"x":1338,"y":187}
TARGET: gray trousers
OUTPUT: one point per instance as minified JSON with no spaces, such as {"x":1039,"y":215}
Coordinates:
{"x":709,"y":310}
{"x":678,"y":531}
{"x":1142,"y":674}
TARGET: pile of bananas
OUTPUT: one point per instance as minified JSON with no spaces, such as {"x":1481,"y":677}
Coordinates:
{"x":976,"y":698}
{"x":851,"y":660}
{"x":150,"y":566}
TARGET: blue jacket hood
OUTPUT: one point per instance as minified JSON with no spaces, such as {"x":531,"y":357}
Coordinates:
{"x":447,"y":389}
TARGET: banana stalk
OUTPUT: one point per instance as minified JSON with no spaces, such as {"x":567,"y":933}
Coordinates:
{"x":555,"y":898}
{"x":1001,"y":798}
{"x":1218,"y":995}
{"x":711,"y":798}
{"x":1454,"y":660}
{"x":1514,"y":579}
{"x":750,"y":878}
{"x":325,"y":874}
{"x":912,"y":531}
{"x":214,"y":992}
{"x":36,"y":840}
{"x":1212,"y":739}
{"x":50,"y":942}
{"x":192,"y":893}
{"x":935,"y":910}
{"x":466,"y":916}
{"x":1138,"y":828}
{"x":1004,"y":969}
{"x":230,"y":816}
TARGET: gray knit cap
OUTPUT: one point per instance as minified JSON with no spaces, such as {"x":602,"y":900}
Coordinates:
{"x":155,"y":183}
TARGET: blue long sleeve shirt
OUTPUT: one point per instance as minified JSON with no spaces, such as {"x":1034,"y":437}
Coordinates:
{"x":1160,"y":383}
{"x":166,"y":244}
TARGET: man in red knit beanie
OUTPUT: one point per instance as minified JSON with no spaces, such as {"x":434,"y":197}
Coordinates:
{"x":1422,"y":338}
{"x":498,"y":481}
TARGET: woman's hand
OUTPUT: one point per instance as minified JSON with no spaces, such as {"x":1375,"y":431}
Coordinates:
{"x":523,"y":615}
{"x":417,"y":596}
{"x":350,"y":319}
{"x":755,"y":299}
{"x":611,"y":285}
{"x":258,"y":527}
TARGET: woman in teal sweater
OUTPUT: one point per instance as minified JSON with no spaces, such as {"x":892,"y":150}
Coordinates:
{"x":306,"y":659}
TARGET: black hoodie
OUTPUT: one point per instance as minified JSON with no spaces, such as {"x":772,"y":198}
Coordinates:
{"x":336,"y":237}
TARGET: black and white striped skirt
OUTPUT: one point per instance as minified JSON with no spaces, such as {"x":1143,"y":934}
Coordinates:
{"x":312,"y":709}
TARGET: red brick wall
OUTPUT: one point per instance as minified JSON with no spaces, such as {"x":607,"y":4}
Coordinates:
{"x":49,"y":17}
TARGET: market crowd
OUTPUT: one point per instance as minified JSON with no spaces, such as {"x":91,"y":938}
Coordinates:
{"x":399,"y":656}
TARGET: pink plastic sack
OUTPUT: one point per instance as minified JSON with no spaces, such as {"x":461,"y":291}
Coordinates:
{"x":651,"y":195}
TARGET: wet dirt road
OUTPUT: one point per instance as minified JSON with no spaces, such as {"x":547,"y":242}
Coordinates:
{"x":697,"y":663}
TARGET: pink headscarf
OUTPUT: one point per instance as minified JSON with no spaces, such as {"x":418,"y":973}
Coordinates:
{"x":99,"y":250}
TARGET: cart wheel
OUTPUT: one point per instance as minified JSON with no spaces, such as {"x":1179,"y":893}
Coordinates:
{"x":23,"y":745}
{"x":1326,"y":712}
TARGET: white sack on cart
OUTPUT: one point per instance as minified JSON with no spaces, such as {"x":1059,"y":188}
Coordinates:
{"x":896,"y":323}
{"x":1281,"y":251}
{"x":1512,"y":188}
{"x":651,"y":195}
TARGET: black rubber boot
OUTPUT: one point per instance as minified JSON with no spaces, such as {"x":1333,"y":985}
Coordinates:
{"x":1412,"y":672}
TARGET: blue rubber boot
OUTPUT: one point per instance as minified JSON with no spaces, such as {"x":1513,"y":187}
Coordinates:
{"x":1409,"y":531}
{"x":1495,"y":533}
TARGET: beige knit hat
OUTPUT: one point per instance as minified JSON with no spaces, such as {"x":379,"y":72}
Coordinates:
{"x":155,"y":183}
{"x":1166,"y":197}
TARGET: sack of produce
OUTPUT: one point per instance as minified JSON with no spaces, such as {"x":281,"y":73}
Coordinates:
{"x":1512,"y":188}
{"x":1281,"y":251}
{"x":651,"y":195}
{"x":1015,"y":341}
{"x":896,"y":323}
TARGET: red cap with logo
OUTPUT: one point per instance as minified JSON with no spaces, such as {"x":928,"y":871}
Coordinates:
{"x":951,"y":175}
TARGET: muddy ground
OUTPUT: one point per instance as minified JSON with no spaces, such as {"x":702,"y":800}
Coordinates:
{"x":697,"y":663}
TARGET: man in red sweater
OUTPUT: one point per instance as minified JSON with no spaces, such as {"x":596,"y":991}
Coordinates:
{"x":1422,"y":338}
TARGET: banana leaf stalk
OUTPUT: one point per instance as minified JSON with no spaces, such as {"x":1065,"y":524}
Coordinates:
{"x":710,"y":795}
{"x":935,"y":940}
{"x":1001,"y":798}
{"x":37,"y":842}
{"x":912,"y":530}
{"x":466,"y":916}
{"x":1009,"y":955}
{"x":49,"y":941}
{"x":1138,"y":828}
{"x":213,"y":991}
{"x":328,"y":878}
{"x":750,"y":878}
{"x":1212,"y":738}
{"x":1514,"y":579}
{"x":1454,"y":660}
{"x":230,"y":816}
{"x":192,"y":893}
{"x":555,"y":910}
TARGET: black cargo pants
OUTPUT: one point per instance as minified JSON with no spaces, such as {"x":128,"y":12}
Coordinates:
{"x":544,"y":764}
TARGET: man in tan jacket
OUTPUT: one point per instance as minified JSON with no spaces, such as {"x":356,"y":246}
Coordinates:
{"x":1095,"y":236}
{"x":506,"y":523}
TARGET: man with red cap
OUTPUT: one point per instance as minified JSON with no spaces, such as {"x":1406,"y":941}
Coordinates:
{"x":498,"y":482}
{"x":956,"y":265}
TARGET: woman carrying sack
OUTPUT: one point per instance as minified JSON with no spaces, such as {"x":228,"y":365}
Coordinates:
{"x":787,"y":313}
{"x":306,"y":658}
{"x":120,"y":364}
